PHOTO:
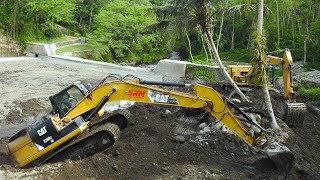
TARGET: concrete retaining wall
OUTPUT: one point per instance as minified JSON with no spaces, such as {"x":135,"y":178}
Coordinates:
{"x":39,"y":49}
{"x":70,"y":42}
{"x":171,"y":68}
{"x":178,"y":69}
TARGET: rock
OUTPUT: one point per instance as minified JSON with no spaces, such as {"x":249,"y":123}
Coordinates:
{"x":179,"y":139}
{"x":167,"y":111}
{"x":203,"y":125}
{"x":225,"y":129}
{"x":258,"y":117}
{"x":115,"y":167}
{"x":117,"y":153}
{"x":165,"y":169}
{"x":236,"y":100}
{"x":206,"y":130}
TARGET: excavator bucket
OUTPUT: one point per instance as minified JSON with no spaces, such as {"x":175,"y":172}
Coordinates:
{"x":295,"y":114}
{"x":281,"y":156}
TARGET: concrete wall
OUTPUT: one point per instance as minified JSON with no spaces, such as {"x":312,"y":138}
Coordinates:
{"x":171,"y":68}
{"x":178,"y":69}
{"x":39,"y":49}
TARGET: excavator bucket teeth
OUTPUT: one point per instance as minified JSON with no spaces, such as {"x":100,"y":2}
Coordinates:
{"x":295,"y":114}
{"x":281,"y":156}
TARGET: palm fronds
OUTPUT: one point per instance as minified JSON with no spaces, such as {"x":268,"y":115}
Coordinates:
{"x":257,"y":74}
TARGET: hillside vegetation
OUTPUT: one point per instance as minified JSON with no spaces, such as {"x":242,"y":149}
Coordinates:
{"x":125,"y":29}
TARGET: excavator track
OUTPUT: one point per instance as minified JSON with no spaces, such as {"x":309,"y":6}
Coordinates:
{"x":295,"y":114}
{"x":94,"y":140}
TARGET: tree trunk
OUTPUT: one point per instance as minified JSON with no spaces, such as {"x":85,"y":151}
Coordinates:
{"x":91,"y":14}
{"x":293,"y":27}
{"x":274,"y":124}
{"x":249,"y":40}
{"x":220,"y":31}
{"x":190,"y":51}
{"x":210,"y":52}
{"x":204,"y":47}
{"x":223,"y":69}
{"x":232,"y":33}
{"x":14,"y":20}
{"x":305,"y":50}
{"x":278,"y":22}
{"x":221,"y":26}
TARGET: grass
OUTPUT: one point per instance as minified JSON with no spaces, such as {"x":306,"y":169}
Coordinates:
{"x":58,"y":39}
{"x":198,"y":71}
{"x":236,"y":55}
{"x":80,"y":47}
{"x":201,"y":59}
{"x":311,"y":92}
{"x":312,"y":65}
{"x":64,"y":38}
{"x":232,"y":57}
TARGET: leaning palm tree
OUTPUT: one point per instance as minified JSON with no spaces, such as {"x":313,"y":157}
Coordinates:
{"x":258,"y":72}
{"x":182,"y":15}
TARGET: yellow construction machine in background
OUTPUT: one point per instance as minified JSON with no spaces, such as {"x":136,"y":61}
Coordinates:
{"x":294,"y":112}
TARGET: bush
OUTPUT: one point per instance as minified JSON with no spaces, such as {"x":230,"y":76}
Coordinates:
{"x":198,"y":71}
{"x":52,"y":32}
{"x":312,"y":92}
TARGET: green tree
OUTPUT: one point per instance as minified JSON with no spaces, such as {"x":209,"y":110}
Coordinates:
{"x":189,"y":14}
{"x":51,"y":10}
{"x":122,"y":24}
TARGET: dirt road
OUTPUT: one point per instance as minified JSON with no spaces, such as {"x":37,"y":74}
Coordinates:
{"x":146,"y":149}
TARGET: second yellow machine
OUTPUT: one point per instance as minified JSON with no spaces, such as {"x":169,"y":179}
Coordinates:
{"x":294,"y":112}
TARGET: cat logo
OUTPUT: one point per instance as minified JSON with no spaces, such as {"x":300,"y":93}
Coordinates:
{"x":42,"y":131}
{"x":136,"y":93}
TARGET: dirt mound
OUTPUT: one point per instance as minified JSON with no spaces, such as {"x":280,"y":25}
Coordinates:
{"x":148,"y":149}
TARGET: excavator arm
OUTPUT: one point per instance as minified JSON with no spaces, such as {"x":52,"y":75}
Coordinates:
{"x":205,"y":97}
{"x":286,"y":62}
{"x":80,"y":125}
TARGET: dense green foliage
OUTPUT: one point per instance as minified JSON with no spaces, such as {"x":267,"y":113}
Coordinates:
{"x":200,"y":71}
{"x":311,"y":92}
{"x":122,"y":26}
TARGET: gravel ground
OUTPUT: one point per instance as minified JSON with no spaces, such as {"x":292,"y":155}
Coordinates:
{"x":22,"y":79}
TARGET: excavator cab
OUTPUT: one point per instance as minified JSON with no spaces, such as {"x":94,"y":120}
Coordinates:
{"x":66,"y":99}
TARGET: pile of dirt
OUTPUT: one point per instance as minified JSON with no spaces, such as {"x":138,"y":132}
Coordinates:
{"x":148,"y":149}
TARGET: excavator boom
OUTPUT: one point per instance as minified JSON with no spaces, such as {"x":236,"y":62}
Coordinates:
{"x":205,"y":97}
{"x":73,"y":126}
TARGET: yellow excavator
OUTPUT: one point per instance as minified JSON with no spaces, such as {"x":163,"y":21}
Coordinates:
{"x":77,"y":126}
{"x":294,"y":112}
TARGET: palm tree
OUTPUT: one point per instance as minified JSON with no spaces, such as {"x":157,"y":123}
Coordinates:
{"x":182,"y":15}
{"x":259,"y":66}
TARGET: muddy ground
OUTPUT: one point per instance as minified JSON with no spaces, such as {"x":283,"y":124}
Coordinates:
{"x":147,"y":149}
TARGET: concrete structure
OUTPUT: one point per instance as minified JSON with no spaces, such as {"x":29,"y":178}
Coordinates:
{"x":169,"y":68}
{"x":177,"y":69}
{"x":39,"y":49}
{"x":87,"y":61}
